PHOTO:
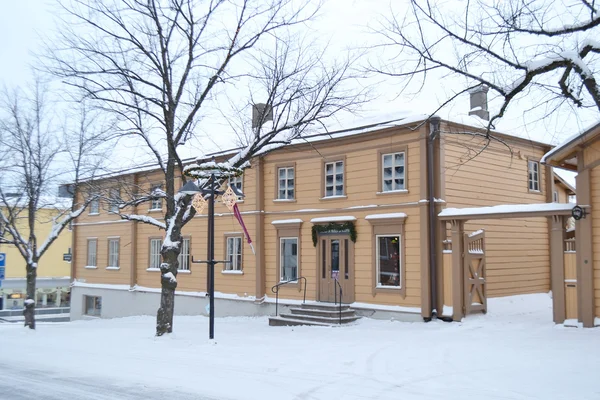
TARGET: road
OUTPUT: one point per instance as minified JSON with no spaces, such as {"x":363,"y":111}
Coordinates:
{"x":21,"y":383}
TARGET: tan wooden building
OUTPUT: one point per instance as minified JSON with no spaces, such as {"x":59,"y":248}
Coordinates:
{"x":581,"y":153}
{"x":359,"y":206}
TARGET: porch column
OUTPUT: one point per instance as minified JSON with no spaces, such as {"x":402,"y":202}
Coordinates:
{"x":458,"y":233}
{"x":44,"y":299}
{"x":584,"y":248}
{"x":58,"y":297}
{"x":557,"y":267}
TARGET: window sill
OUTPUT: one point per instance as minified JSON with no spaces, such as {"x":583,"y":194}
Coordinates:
{"x":184,"y":271}
{"x":535,"y":191}
{"x":153,"y":210}
{"x":113,"y":268}
{"x":93,"y":214}
{"x":284,"y":200}
{"x":334,"y":197}
{"x":388,"y":287}
{"x":90,"y":267}
{"x":153,"y":269}
{"x":233,"y":272}
{"x":403,"y":191}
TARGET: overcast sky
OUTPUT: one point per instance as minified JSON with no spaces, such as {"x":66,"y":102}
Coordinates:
{"x":343,"y":22}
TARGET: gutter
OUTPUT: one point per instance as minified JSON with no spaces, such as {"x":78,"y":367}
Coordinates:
{"x":434,"y":129}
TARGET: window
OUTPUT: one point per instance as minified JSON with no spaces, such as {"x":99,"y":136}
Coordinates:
{"x":115,"y":197}
{"x":95,"y":205}
{"x":155,"y":245}
{"x":237,"y":183}
{"x":156,"y":203}
{"x":92,"y":252}
{"x":234,"y":254}
{"x":334,"y":179}
{"x":393,"y":172}
{"x":534,"y":175}
{"x":184,"y":256}
{"x":93,"y":305}
{"x":286,"y":183}
{"x":113,"y":253}
{"x":289,"y":259}
{"x":388,"y":260}
{"x":555,"y":197}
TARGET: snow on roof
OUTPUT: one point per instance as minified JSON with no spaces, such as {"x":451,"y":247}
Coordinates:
{"x":386,"y":216}
{"x":287,"y":221}
{"x":340,"y":218}
{"x":45,"y":202}
{"x":568,"y":142}
{"x":506,"y":209}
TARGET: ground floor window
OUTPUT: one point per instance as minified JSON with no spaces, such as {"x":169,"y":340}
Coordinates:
{"x":234,"y":254}
{"x":184,"y":255}
{"x":93,"y":305}
{"x":289,"y":258}
{"x":388,"y":260}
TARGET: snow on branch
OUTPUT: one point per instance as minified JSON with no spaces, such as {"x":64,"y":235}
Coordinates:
{"x":145,"y":219}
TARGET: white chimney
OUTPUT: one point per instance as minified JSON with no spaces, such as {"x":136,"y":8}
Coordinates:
{"x":479,"y":104}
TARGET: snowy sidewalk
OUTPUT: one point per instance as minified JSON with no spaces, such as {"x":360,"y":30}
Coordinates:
{"x":506,"y":354}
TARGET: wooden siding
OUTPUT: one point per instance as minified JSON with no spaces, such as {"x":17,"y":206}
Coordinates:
{"x":595,"y":194}
{"x":518,"y":259}
{"x":101,"y":233}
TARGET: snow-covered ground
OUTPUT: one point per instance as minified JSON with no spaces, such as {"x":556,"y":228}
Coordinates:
{"x":513,"y":352}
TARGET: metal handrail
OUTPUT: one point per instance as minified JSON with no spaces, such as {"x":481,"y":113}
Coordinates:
{"x":335,"y":296}
{"x":275,"y":289}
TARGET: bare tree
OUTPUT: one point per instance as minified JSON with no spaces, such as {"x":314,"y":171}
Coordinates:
{"x":33,"y":165}
{"x":515,"y":47}
{"x":161,"y":65}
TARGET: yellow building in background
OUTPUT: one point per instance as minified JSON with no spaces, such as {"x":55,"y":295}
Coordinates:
{"x":53,"y":276}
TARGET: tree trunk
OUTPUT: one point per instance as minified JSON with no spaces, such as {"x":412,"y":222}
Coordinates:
{"x":29,"y":309}
{"x":164,"y":316}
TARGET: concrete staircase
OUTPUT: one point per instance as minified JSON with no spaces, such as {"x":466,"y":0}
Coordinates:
{"x":316,"y":315}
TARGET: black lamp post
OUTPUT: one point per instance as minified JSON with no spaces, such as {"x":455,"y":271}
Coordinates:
{"x":190,"y":188}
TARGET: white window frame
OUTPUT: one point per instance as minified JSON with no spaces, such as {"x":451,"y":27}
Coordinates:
{"x":156,"y":204}
{"x":154,"y":256}
{"x":394,"y":177}
{"x":282,"y":257}
{"x":533,"y":175}
{"x":333,"y":186}
{"x":184,"y":255}
{"x":113,"y":253}
{"x":115,"y":197}
{"x":378,"y":276}
{"x":286,"y":180}
{"x":237,"y":258}
{"x":237,"y":182}
{"x":92,"y":257}
{"x":95,"y":205}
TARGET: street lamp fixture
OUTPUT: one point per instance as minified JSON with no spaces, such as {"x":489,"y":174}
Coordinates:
{"x":199,"y":201}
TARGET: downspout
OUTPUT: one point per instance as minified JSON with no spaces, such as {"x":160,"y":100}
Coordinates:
{"x":434,"y":130}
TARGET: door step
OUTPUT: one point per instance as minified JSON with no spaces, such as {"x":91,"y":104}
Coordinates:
{"x":316,"y":315}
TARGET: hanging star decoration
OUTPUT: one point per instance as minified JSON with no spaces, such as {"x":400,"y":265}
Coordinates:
{"x":229,"y":198}
{"x":199,"y":203}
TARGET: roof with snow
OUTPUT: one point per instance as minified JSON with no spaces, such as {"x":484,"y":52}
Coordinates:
{"x":507,"y":211}
{"x":565,"y":154}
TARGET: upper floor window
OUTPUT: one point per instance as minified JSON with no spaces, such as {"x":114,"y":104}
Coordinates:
{"x":286,"y":183}
{"x":534,"y":175}
{"x":237,"y":182}
{"x":156,"y":203}
{"x":184,"y":255}
{"x":115,"y":197}
{"x":334,"y":179}
{"x":155,"y":245}
{"x":393,"y":172}
{"x":234,"y":254}
{"x":555,"y":196}
{"x":95,"y":205}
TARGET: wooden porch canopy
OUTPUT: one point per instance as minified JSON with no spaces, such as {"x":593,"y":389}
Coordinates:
{"x":506,"y":211}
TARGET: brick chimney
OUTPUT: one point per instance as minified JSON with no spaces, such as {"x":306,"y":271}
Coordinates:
{"x":479,"y":103}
